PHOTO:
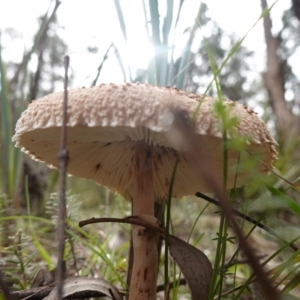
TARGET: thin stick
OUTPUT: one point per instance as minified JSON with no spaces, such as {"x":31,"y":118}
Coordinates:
{"x":63,"y":157}
{"x":249,"y":219}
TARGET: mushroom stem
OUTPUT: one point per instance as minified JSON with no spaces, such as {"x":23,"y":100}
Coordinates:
{"x":145,"y":261}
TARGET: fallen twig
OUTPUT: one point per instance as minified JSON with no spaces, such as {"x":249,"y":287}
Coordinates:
{"x":63,"y":158}
{"x":249,"y":219}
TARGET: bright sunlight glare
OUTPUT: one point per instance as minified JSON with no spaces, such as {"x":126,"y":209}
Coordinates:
{"x":95,"y":24}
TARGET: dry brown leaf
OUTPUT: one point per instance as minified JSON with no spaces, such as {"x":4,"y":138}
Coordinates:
{"x":79,"y":285}
{"x":194,"y":265}
{"x":42,"y":278}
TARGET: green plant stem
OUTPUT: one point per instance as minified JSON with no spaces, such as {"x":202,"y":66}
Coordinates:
{"x":223,"y":255}
{"x":168,"y":221}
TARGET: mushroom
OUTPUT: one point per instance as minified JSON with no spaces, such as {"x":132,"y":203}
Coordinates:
{"x":119,"y":137}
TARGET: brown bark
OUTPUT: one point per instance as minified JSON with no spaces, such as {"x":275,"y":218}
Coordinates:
{"x":296,"y":8}
{"x":274,"y":78}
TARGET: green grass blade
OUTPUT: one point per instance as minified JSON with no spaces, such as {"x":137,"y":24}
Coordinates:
{"x":171,"y":63}
{"x":196,"y":221}
{"x":37,"y":41}
{"x":146,"y":19}
{"x":292,"y":260}
{"x":90,"y":242}
{"x":151,"y":72}
{"x":293,"y":283}
{"x":151,"y":77}
{"x":41,"y":249}
{"x":124,"y":32}
{"x":183,"y":67}
{"x":249,"y":280}
{"x":27,"y":218}
{"x":164,"y":48}
{"x":153,"y":5}
{"x":105,"y":57}
{"x":156,"y":41}
{"x":285,"y":200}
{"x":120,"y":62}
{"x":168,"y":220}
{"x":223,"y":228}
{"x":178,"y":12}
{"x":10,"y":158}
{"x":121,"y":18}
{"x":167,"y":22}
{"x":6,"y":132}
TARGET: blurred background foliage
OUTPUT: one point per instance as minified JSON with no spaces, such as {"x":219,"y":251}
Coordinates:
{"x":28,"y":188}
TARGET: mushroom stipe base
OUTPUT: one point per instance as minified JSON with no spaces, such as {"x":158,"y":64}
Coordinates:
{"x":145,"y":258}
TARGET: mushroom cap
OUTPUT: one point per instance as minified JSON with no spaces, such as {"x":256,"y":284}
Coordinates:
{"x":105,"y":121}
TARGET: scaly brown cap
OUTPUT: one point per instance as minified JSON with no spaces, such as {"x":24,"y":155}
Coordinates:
{"x":105,"y":121}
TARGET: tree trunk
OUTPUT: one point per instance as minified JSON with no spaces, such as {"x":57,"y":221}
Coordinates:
{"x":274,"y":79}
{"x":296,"y":8}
